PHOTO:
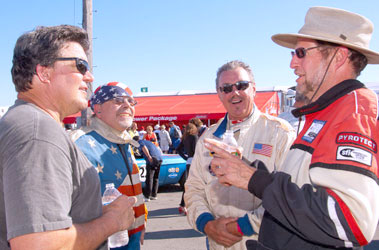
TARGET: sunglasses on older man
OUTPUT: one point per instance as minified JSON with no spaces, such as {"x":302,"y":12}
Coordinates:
{"x":301,"y":52}
{"x":81,"y":65}
{"x":121,"y":100}
{"x":228,"y":87}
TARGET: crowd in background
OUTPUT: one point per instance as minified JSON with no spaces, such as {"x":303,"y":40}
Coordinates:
{"x":171,"y":141}
{"x":167,"y":139}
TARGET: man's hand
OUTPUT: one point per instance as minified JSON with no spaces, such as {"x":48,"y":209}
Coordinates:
{"x":117,"y":216}
{"x":142,"y":236}
{"x":217,"y":231}
{"x":150,"y":159}
{"x":232,"y":227}
{"x":121,"y":211}
{"x":229,"y":169}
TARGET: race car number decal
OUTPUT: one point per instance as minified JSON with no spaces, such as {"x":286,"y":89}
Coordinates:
{"x":142,"y":173}
{"x":346,"y":153}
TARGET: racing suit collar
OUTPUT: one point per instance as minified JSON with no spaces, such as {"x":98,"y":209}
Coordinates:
{"x":225,"y":124}
{"x":329,"y":97}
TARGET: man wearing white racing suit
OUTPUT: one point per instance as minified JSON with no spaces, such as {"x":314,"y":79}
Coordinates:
{"x":212,"y":207}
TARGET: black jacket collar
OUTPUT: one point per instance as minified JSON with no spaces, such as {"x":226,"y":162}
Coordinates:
{"x":329,"y":97}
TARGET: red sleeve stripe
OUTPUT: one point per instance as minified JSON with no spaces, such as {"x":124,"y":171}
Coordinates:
{"x":130,"y":190}
{"x":349,"y":218}
{"x":135,"y":169}
{"x":140,"y":210}
{"x":136,"y":230}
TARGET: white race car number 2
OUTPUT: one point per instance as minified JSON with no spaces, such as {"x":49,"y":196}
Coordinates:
{"x":142,"y":173}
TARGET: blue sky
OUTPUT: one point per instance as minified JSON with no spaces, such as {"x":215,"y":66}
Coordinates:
{"x":172,"y":45}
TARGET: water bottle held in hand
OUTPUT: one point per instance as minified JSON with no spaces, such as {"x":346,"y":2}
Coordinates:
{"x":120,"y":238}
{"x":231,"y":143}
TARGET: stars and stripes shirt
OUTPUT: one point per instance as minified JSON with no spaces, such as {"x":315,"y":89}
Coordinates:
{"x":107,"y":157}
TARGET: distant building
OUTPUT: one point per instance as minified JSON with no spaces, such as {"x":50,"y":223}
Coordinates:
{"x":3,"y":110}
{"x":374,"y":86}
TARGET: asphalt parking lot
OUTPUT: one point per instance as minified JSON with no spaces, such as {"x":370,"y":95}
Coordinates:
{"x":166,"y":228}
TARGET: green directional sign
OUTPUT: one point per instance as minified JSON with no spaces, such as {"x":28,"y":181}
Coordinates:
{"x":144,"y":89}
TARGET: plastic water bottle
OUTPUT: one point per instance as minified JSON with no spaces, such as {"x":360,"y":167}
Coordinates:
{"x":230,"y":141}
{"x":120,"y":238}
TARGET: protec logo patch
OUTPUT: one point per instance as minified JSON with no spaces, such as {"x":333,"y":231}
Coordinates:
{"x":357,"y":139}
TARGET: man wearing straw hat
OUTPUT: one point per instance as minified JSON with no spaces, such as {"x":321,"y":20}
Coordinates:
{"x":326,"y":195}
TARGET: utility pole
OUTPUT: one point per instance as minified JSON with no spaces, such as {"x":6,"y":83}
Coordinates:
{"x":87,"y":25}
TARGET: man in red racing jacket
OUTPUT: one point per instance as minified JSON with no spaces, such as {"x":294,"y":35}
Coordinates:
{"x":326,"y":195}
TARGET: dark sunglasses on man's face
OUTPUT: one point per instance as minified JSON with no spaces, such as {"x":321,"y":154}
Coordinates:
{"x":228,"y":87}
{"x":81,"y":65}
{"x":301,"y":52}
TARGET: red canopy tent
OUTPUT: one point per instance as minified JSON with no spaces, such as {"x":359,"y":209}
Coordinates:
{"x":71,"y":118}
{"x":152,"y":110}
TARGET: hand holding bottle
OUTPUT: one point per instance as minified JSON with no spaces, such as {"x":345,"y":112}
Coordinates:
{"x":229,"y":169}
{"x":120,"y":210}
{"x":228,"y":143}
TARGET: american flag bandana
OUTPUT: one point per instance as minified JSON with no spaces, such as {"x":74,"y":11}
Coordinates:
{"x":108,"y":92}
{"x":262,"y":149}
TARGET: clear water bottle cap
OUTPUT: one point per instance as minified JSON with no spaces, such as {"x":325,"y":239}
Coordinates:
{"x":109,"y":185}
{"x":228,"y":131}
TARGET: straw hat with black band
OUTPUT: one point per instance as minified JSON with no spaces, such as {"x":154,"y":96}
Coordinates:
{"x":336,"y":26}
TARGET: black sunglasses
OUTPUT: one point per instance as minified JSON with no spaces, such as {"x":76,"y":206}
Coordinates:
{"x":81,"y":65}
{"x":301,"y":52}
{"x":228,"y":87}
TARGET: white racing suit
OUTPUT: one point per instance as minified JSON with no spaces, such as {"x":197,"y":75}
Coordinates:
{"x":262,"y":137}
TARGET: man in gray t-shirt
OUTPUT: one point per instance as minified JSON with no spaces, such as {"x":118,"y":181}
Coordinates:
{"x":39,"y":162}
{"x":49,"y":192}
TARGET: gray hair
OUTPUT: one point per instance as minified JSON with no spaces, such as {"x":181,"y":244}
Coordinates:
{"x":231,"y":65}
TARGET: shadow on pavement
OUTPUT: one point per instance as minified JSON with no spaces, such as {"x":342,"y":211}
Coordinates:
{"x":172,"y":234}
{"x":165,"y":212}
{"x":170,"y":188}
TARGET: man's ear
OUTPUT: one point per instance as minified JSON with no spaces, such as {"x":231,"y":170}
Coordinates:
{"x":97,"y":110}
{"x":342,"y":56}
{"x":43,"y":73}
{"x":254,"y":89}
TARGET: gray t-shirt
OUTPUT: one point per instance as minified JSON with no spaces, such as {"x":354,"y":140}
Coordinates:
{"x":46,"y":182}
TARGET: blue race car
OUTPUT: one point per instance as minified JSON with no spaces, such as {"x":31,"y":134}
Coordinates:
{"x":171,"y":172}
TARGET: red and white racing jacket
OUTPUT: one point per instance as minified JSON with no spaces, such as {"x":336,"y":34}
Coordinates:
{"x":328,"y":195}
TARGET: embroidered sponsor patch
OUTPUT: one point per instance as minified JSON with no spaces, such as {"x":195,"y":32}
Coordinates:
{"x":262,"y":149}
{"x":357,"y":139}
{"x":313,"y":131}
{"x":348,"y":153}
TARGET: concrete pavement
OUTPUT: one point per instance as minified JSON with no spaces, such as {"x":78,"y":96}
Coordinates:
{"x":166,"y":228}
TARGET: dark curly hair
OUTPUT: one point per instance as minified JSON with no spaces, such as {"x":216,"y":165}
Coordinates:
{"x":357,"y":59}
{"x":41,"y":46}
